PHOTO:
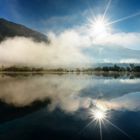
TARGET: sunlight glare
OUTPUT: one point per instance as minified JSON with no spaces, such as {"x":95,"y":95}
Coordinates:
{"x":98,"y":115}
{"x":99,"y":26}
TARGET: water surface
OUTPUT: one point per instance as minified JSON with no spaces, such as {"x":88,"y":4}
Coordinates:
{"x":55,"y":106}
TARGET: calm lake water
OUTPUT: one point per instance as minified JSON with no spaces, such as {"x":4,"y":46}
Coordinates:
{"x":63,"y":107}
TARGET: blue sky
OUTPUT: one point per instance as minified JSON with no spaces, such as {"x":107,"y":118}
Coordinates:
{"x":60,"y":14}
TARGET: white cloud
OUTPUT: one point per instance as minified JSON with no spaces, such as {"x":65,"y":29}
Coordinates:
{"x":62,"y":51}
{"x":130,"y":60}
{"x":128,"y":40}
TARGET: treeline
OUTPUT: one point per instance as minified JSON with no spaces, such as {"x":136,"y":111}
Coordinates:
{"x":114,"y":68}
{"x":130,"y":68}
{"x":20,"y":69}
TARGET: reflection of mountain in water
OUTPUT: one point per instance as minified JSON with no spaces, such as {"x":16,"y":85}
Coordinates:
{"x":9,"y":112}
{"x":111,"y":88}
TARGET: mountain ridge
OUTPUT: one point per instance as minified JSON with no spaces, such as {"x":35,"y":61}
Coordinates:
{"x":11,"y":29}
{"x":112,"y":54}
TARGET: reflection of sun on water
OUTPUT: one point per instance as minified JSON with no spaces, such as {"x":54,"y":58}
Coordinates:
{"x":98,"y":115}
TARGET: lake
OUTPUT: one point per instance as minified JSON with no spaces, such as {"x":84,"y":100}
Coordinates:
{"x":69,"y":107}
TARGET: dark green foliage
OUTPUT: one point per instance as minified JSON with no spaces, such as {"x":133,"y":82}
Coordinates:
{"x":136,"y":69}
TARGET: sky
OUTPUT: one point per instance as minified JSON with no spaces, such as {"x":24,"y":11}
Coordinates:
{"x":90,"y":31}
{"x":44,"y":15}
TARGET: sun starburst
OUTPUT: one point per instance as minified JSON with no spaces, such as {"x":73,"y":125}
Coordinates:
{"x":99,"y":26}
{"x":98,"y":115}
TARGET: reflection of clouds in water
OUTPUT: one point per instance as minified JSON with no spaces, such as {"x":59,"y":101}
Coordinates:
{"x":65,"y":92}
{"x":129,"y":102}
{"x":132,"y":81}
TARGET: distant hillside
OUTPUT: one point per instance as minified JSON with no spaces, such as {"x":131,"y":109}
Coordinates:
{"x":105,"y":55}
{"x":10,"y":29}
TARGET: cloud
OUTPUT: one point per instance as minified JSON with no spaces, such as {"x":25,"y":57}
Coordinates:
{"x":63,"y":50}
{"x":71,"y":48}
{"x":127,"y":40}
{"x":130,"y":60}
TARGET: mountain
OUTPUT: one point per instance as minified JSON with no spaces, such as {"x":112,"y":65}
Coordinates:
{"x":11,"y":29}
{"x":112,"y":54}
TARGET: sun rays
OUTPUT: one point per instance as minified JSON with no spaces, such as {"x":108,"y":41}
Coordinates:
{"x":100,"y":25}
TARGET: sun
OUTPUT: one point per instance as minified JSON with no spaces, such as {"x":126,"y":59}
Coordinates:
{"x":99,"y":26}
